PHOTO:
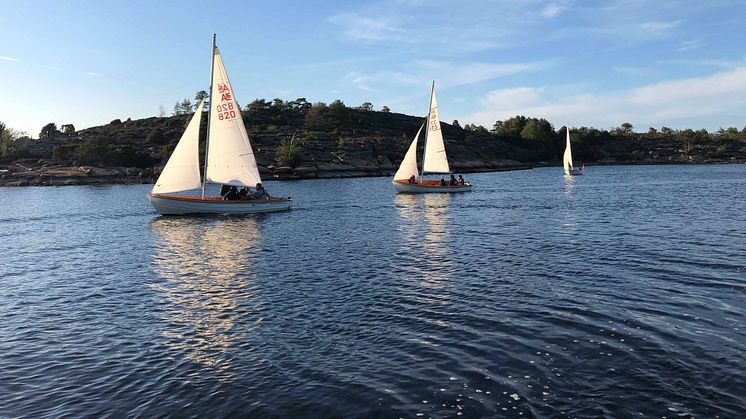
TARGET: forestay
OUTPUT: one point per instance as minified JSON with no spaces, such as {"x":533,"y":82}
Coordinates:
{"x":435,"y":160}
{"x":181,"y":172}
{"x":230,"y":159}
{"x":408,"y":166}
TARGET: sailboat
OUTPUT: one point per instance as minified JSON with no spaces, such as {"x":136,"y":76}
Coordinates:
{"x":570,"y":170}
{"x":434,"y":159}
{"x":229,"y":159}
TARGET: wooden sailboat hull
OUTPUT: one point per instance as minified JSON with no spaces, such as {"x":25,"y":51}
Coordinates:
{"x":428,"y":186}
{"x":179,"y":205}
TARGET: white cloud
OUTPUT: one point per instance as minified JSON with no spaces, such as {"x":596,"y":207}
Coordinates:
{"x":687,"y":45}
{"x":380,"y":28}
{"x":633,"y":71}
{"x":553,"y":9}
{"x":711,"y":101}
{"x":4,"y":58}
{"x":660,"y":26}
{"x":92,"y":74}
{"x":445,"y":73}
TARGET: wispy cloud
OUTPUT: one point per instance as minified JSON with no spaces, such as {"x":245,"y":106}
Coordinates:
{"x":554,"y":9}
{"x":450,"y":27}
{"x":687,"y":45}
{"x":446,"y":73}
{"x":687,"y":103}
{"x":92,"y":74}
{"x":370,"y":28}
{"x":4,"y":58}
{"x":633,"y":71}
{"x":660,"y":26}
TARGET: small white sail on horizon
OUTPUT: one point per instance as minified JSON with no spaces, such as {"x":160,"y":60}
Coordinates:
{"x":567,"y":158}
{"x":181,"y":172}
{"x":435,"y":160}
{"x":230,"y":160}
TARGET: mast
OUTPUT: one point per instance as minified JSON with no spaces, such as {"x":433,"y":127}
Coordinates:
{"x":209,"y":112}
{"x":429,"y":108}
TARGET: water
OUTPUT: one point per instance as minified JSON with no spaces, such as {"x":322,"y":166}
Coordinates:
{"x":618,"y":293}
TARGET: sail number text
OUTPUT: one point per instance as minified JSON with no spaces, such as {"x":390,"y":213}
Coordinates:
{"x":225,"y":111}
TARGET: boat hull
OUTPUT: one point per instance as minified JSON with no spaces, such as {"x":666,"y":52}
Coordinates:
{"x":180,"y":205}
{"x":428,"y":186}
{"x":574,"y":172}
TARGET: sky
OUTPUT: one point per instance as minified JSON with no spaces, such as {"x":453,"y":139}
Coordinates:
{"x":651,"y":63}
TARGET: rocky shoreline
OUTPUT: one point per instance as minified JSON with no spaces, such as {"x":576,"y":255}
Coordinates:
{"x":44,"y":174}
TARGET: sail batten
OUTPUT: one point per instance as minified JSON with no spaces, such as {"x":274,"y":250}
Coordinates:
{"x":231,"y":159}
{"x":435,"y":159}
{"x":181,"y":172}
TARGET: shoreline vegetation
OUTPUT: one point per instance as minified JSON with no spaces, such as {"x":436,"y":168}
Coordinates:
{"x":300,"y":140}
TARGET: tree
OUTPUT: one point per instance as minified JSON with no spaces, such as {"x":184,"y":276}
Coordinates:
{"x":161,"y":111}
{"x":666,"y":130}
{"x":48,"y":130}
{"x":199,"y":96}
{"x":289,"y":153}
{"x":387,"y":110}
{"x":652,"y":131}
{"x":186,"y":106}
{"x":537,"y":130}
{"x":279,"y":104}
{"x":177,"y":108}
{"x":455,"y":123}
{"x":626,"y":128}
{"x":366,"y":106}
{"x":68,"y":129}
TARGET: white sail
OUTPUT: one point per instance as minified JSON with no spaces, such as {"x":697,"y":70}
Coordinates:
{"x":181,"y":172}
{"x":567,"y":158}
{"x":230,"y":159}
{"x":435,"y":160}
{"x":408,"y":166}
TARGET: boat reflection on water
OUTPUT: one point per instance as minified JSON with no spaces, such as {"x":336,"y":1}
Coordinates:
{"x":206,"y":267}
{"x":424,"y":236}
{"x":568,"y":182}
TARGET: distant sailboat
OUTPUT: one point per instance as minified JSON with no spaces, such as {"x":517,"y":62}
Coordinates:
{"x":570,"y":170}
{"x":229,"y":159}
{"x":434,"y":159}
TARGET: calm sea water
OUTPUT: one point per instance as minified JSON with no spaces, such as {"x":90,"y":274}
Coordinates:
{"x":620,"y":293}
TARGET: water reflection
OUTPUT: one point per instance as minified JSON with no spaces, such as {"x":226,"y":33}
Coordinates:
{"x":207,"y":268}
{"x":569,"y":182}
{"x":424,"y":235}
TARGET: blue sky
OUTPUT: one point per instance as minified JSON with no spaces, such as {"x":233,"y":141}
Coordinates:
{"x":680,"y":64}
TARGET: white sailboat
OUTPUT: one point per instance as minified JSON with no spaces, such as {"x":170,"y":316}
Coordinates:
{"x":570,"y":170}
{"x":434,"y":159}
{"x":229,"y":159}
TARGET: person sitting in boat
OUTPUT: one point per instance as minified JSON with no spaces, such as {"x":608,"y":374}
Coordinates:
{"x":260,"y":192}
{"x":232,"y":194}
{"x":412,"y":179}
{"x":452,"y":181}
{"x":244,"y":194}
{"x":224,"y":190}
{"x":442,"y":181}
{"x":460,"y":180}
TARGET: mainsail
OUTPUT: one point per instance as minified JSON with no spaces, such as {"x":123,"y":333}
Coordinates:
{"x":409,"y":164}
{"x":567,"y":158}
{"x":181,"y":172}
{"x":230,"y":159}
{"x":435,"y":160}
